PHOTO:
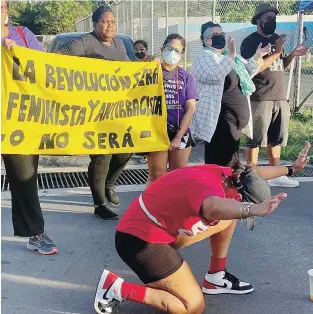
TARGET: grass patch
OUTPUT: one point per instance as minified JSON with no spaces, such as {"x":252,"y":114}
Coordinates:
{"x":300,"y":130}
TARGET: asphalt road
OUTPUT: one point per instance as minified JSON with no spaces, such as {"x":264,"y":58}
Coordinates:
{"x":274,"y":258}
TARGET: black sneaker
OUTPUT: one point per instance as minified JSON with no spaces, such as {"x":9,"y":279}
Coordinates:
{"x":224,"y":282}
{"x":43,"y":244}
{"x":111,"y":196}
{"x":105,"y":212}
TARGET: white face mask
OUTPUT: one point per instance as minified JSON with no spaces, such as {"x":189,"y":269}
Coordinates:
{"x":6,"y":21}
{"x":171,"y":57}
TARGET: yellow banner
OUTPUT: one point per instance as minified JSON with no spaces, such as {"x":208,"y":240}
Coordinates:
{"x":63,"y":105}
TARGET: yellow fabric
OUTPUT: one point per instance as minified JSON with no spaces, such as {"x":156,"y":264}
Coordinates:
{"x":63,"y":105}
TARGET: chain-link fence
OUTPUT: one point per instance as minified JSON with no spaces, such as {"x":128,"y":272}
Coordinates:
{"x":153,"y":20}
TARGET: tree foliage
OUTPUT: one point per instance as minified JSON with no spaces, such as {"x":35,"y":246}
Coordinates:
{"x":49,"y":17}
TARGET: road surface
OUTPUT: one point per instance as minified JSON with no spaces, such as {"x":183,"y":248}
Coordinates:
{"x":275,"y":258}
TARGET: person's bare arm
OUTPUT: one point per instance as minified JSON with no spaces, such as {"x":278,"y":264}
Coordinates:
{"x":268,"y":61}
{"x":279,"y":45}
{"x":271,"y":172}
{"x":190,"y":106}
{"x":299,"y":51}
{"x":216,"y":208}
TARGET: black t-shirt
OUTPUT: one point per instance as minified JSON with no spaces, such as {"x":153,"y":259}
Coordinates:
{"x":270,"y":83}
{"x":235,"y":107}
{"x":90,"y":46}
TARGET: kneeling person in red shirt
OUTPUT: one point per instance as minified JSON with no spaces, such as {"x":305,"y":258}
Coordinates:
{"x":179,"y":209}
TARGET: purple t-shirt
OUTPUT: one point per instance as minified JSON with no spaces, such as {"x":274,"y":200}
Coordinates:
{"x":30,"y":38}
{"x":186,"y":86}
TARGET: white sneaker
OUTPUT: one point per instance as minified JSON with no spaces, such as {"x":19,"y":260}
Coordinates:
{"x":283,"y":181}
{"x":108,"y":295}
{"x":224,"y":282}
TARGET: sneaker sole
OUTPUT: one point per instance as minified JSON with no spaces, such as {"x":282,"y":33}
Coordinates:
{"x":283,"y":185}
{"x":99,"y":292}
{"x":35,"y":248}
{"x":114,"y":218}
{"x":114,"y":205}
{"x":225,"y":291}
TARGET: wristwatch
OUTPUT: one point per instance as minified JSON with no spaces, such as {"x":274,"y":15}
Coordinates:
{"x":290,"y":171}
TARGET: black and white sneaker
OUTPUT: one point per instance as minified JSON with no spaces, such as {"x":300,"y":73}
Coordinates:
{"x":108,"y":295}
{"x":224,"y":282}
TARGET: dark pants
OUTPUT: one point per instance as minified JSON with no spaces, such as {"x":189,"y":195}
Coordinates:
{"x":103,"y":171}
{"x":224,"y":146}
{"x":26,"y":211}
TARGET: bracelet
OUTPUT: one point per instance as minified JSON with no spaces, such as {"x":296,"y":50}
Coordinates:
{"x":245,"y":207}
{"x":290,"y":171}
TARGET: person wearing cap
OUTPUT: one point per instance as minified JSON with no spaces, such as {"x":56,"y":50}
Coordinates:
{"x":181,"y":208}
{"x":270,"y":110}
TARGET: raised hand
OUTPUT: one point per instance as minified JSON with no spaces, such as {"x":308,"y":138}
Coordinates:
{"x":268,"y":206}
{"x":261,"y":52}
{"x":231,"y":47}
{"x":279,"y":44}
{"x":302,"y":159}
{"x":301,"y":51}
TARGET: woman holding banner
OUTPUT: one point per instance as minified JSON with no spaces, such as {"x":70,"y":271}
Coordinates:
{"x":103,"y":170}
{"x":22,"y":170}
{"x":181,"y":96}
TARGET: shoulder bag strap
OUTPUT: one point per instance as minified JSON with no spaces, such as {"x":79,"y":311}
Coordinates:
{"x":20,"y":31}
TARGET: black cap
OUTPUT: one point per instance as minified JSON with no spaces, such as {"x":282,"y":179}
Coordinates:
{"x":261,"y":9}
{"x":255,"y":188}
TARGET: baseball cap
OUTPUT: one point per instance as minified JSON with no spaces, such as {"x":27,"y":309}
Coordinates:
{"x":255,"y":189}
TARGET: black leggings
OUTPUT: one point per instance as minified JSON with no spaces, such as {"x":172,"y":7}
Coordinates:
{"x":103,"y":171}
{"x":224,"y":145}
{"x":27,"y":216}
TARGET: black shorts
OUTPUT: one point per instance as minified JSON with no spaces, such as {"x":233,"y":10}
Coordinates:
{"x":151,"y":262}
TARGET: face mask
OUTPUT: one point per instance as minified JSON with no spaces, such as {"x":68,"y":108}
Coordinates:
{"x":140,"y":55}
{"x":171,"y":57}
{"x":218,"y":42}
{"x":6,"y":21}
{"x":269,"y":27}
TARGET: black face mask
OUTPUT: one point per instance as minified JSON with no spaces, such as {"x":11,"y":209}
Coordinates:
{"x":218,"y":42}
{"x":140,"y":55}
{"x":269,"y":27}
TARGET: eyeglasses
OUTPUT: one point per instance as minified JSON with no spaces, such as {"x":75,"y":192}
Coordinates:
{"x":170,"y":48}
{"x":216,"y":34}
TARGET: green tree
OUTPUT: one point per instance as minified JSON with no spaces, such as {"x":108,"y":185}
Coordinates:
{"x":49,"y":17}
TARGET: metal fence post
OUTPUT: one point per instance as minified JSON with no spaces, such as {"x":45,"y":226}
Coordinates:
{"x":141,"y":19}
{"x":214,"y":11}
{"x":293,"y":63}
{"x":132,"y":18}
{"x":117,"y":21}
{"x":166,"y":18}
{"x":299,"y":59}
{"x":185,"y":32}
{"x":123,"y":15}
{"x":152,"y":28}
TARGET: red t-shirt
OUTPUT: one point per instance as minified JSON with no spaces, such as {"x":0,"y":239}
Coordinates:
{"x":175,"y":201}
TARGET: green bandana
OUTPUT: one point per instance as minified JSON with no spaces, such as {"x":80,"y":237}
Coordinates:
{"x":246,"y":83}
